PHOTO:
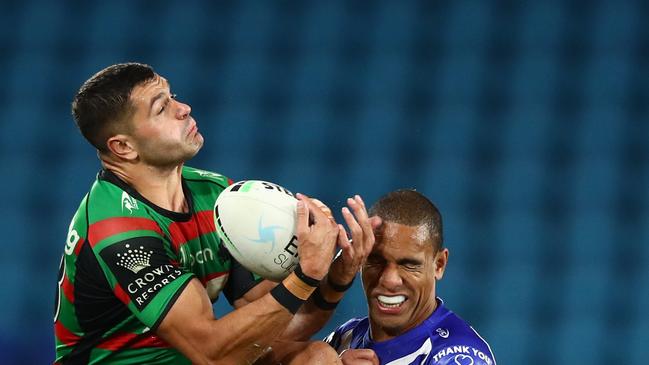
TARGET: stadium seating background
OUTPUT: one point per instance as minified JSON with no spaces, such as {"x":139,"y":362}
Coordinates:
{"x":525,"y":121}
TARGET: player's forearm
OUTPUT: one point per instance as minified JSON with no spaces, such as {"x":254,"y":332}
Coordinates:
{"x":312,"y":317}
{"x":251,"y":329}
{"x":306,"y":323}
{"x":290,"y":295}
{"x":241,"y":336}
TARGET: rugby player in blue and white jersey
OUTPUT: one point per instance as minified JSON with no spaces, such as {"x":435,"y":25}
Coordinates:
{"x":407,"y":323}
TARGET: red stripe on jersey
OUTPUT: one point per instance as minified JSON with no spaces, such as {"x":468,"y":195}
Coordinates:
{"x":121,"y":294}
{"x":201,"y":223}
{"x":182,"y":232}
{"x":108,"y":227}
{"x":149,"y":341}
{"x":215,"y":275}
{"x":65,"y":335}
{"x":124,"y":340}
{"x":68,"y":289}
{"x":77,"y":248}
{"x":205,"y":220}
{"x":117,"y":341}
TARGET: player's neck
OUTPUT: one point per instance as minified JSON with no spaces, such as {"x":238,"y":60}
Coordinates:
{"x":161,"y":186}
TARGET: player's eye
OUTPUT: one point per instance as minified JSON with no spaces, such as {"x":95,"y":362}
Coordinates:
{"x":162,"y":109}
{"x":411,"y":267}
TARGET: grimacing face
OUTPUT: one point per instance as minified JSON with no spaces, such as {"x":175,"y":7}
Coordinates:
{"x":399,"y":279}
{"x":164,"y":132}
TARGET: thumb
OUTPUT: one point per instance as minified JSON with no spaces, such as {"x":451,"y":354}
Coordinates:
{"x":302,"y":217}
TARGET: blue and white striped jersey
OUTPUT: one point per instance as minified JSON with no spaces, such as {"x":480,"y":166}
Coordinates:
{"x":442,"y":339}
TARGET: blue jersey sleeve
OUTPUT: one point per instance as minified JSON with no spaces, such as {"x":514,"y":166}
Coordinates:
{"x":340,"y":339}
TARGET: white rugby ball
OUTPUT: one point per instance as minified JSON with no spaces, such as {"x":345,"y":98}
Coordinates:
{"x":256,"y":221}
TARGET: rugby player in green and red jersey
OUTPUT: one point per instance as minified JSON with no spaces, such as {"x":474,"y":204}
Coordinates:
{"x":142,"y":263}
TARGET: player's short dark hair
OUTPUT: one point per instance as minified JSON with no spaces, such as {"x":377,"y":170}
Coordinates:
{"x":410,"y":208}
{"x":102,"y":104}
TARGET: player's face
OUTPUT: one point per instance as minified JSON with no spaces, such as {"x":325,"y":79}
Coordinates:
{"x":164,"y":132}
{"x":399,"y":279}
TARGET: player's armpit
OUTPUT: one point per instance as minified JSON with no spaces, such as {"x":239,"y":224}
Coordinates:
{"x":239,"y":337}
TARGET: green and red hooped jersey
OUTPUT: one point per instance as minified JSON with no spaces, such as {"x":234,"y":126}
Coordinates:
{"x":127,"y":260}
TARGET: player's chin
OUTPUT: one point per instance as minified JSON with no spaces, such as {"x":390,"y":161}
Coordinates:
{"x":196,"y":142}
{"x":197,"y":138}
{"x":392,"y":324}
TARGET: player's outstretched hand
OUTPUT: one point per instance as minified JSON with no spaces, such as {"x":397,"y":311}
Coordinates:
{"x":354,"y":252}
{"x":359,"y":357}
{"x":316,"y":235}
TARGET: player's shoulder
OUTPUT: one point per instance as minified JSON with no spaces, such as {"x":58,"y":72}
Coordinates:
{"x":343,"y":335}
{"x":110,"y":197}
{"x":115,"y":212}
{"x":80,"y":214}
{"x":353,"y":324}
{"x":456,"y":341}
{"x":193,"y":174}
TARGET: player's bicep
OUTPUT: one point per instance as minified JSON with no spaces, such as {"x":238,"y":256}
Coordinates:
{"x":188,"y":323}
{"x":143,"y":276}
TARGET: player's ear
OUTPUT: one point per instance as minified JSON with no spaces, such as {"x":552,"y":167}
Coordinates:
{"x":441,"y":259}
{"x":122,"y":146}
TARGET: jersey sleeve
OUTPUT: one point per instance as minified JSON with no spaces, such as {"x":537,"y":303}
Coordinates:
{"x":143,"y":276}
{"x":340,"y":338}
{"x":240,"y":281}
{"x":333,"y":339}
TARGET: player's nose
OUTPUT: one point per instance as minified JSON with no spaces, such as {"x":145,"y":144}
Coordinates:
{"x":390,"y":278}
{"x":183,"y":110}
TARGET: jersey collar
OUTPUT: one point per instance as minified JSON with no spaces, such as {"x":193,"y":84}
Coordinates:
{"x":110,"y":177}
